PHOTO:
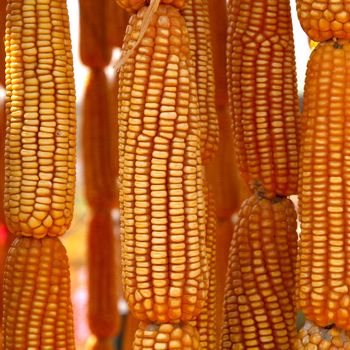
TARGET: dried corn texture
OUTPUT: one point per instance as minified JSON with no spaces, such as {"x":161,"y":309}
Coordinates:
{"x":263,"y":96}
{"x":166,"y":336}
{"x":37,"y":307}
{"x":258,"y":306}
{"x":95,"y":50}
{"x":135,"y":5}
{"x":325,"y":19}
{"x":206,"y":321}
{"x":40,"y":140}
{"x":102,"y":307}
{"x":99,"y":146}
{"x":311,"y":337}
{"x":324,"y":278}
{"x":162,"y":204}
{"x":118,"y":20}
{"x":196,"y":15}
{"x":2,"y":44}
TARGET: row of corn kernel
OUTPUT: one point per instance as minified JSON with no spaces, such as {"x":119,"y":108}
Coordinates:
{"x":39,"y":174}
{"x":100,"y":174}
{"x":323,"y":285}
{"x":259,"y":310}
{"x":165,"y":271}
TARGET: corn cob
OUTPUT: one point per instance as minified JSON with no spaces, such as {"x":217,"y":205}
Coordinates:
{"x":2,"y":45}
{"x":263,"y":94}
{"x":206,"y":321}
{"x":117,"y":22}
{"x":166,"y":336}
{"x":324,"y":278}
{"x":102,"y":308}
{"x":40,"y":143}
{"x":259,"y":310}
{"x":95,"y":50}
{"x":37,"y":307}
{"x":135,"y":5}
{"x":162,"y":204}
{"x":99,"y":151}
{"x":197,"y":20}
{"x":324,"y":19}
{"x":312,"y":337}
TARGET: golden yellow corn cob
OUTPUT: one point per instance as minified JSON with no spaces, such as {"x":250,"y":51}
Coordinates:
{"x":162,"y":203}
{"x":197,"y":20}
{"x":135,"y":5}
{"x":311,"y":337}
{"x":40,"y":143}
{"x":206,"y":321}
{"x":324,"y":19}
{"x":258,"y":306}
{"x":263,"y":94}
{"x":99,"y":148}
{"x":166,"y":336}
{"x":95,"y":49}
{"x":324,"y":278}
{"x":37,"y":307}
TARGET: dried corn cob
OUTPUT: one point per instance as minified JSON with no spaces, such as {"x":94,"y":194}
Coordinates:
{"x":206,"y":321}
{"x":259,"y":310}
{"x":166,"y":336}
{"x":324,"y":19}
{"x":37,"y":307}
{"x":99,"y":148}
{"x":135,"y":5}
{"x":40,"y":143}
{"x":197,"y":20}
{"x":162,"y":204}
{"x":102,"y":308}
{"x":263,"y":94}
{"x":324,"y":278}
{"x":95,"y":49}
{"x":312,"y":337}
